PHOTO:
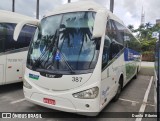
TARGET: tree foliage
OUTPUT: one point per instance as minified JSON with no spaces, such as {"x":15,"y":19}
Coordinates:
{"x":144,"y":34}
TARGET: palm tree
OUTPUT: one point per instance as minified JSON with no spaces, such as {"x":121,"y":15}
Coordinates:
{"x":140,"y":30}
{"x":67,"y":33}
{"x":148,"y":25}
{"x":131,"y":27}
{"x":85,"y":33}
{"x":50,"y":42}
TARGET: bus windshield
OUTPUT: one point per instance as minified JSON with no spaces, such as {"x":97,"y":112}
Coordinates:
{"x":63,"y":42}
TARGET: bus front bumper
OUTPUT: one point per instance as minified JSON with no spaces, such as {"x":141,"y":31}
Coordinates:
{"x":63,"y":104}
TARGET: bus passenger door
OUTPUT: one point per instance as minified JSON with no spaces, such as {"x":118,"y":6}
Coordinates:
{"x":106,"y":86}
{"x":108,"y":83}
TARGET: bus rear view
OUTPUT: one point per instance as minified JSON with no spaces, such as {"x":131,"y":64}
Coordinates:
{"x":73,"y":64}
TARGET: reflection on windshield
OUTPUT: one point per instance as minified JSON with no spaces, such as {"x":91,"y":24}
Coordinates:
{"x":63,"y":42}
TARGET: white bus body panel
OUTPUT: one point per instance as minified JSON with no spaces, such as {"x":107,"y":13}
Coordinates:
{"x":65,"y":100}
{"x":57,"y":84}
{"x":1,"y":73}
{"x":15,"y":67}
{"x":2,"y":68}
{"x":110,"y":78}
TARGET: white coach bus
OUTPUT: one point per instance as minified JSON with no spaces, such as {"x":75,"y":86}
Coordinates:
{"x":80,"y":58}
{"x":13,"y":53}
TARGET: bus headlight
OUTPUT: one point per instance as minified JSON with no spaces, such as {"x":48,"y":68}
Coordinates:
{"x":26,"y":84}
{"x":87,"y":94}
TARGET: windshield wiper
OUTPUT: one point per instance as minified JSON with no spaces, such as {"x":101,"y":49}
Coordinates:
{"x":39,"y":61}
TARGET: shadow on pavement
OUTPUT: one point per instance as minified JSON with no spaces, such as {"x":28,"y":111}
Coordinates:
{"x":11,"y":87}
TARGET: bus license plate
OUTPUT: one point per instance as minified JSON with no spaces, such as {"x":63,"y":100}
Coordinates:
{"x":49,"y":101}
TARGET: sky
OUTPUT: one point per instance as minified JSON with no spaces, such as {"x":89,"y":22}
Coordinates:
{"x":129,"y":11}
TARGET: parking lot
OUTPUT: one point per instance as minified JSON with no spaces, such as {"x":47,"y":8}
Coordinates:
{"x":132,"y":99}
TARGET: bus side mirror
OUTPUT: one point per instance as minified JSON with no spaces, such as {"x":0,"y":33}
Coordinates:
{"x":99,"y":24}
{"x":20,"y":25}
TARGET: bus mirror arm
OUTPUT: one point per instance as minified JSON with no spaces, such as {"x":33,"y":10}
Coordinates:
{"x":20,"y":25}
{"x":99,"y":24}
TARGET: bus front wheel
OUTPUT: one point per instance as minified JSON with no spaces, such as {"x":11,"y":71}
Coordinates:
{"x":136,"y":75}
{"x":116,"y":97}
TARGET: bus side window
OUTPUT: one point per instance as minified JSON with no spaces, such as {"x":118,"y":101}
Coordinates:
{"x":105,"y":56}
{"x":8,"y":29}
{"x":133,"y":43}
{"x":114,"y":50}
{"x":25,"y":37}
{"x":106,"y":49}
{"x":115,"y":32}
{"x":1,"y":39}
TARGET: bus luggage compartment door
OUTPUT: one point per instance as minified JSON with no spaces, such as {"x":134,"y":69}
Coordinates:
{"x":13,"y":69}
{"x":1,"y":74}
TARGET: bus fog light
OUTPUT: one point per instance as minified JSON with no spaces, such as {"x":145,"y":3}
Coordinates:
{"x":87,"y":94}
{"x":26,"y":84}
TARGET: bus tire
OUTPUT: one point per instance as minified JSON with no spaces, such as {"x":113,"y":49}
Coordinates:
{"x":136,"y":75}
{"x":120,"y":86}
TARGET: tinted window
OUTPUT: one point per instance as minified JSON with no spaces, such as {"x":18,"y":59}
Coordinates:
{"x":1,"y":39}
{"x":25,"y":37}
{"x":6,"y":37}
{"x":120,"y":32}
{"x":115,"y":32}
{"x":106,"y":51}
{"x":65,"y":38}
{"x":131,"y":42}
{"x":115,"y":48}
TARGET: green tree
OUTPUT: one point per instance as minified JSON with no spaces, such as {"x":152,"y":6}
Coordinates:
{"x":144,"y":34}
{"x":148,"y":25}
{"x":131,"y":27}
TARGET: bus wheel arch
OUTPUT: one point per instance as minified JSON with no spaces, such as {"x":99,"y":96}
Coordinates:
{"x":121,"y":80}
{"x":120,"y":86}
{"x":136,"y":75}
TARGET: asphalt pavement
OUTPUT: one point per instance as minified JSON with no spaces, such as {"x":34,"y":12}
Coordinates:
{"x":131,"y":100}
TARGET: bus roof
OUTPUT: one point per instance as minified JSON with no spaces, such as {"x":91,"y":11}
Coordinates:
{"x":85,"y":5}
{"x":12,"y":17}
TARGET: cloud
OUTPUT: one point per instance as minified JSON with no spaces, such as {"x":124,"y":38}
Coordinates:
{"x":47,"y":6}
{"x":152,"y":10}
{"x":25,"y":8}
{"x":127,"y":10}
{"x":6,"y":5}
